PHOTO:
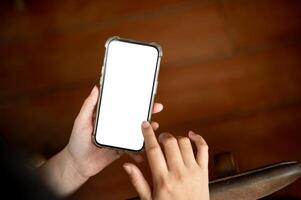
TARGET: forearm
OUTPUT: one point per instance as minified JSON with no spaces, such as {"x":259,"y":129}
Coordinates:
{"x":61,"y":175}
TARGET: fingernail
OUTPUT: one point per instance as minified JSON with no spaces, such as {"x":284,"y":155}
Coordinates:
{"x":161,"y":136}
{"x":145,"y":124}
{"x":161,"y":105}
{"x":155,"y":125}
{"x":127,"y":168}
{"x":191,"y":133}
{"x":93,"y":90}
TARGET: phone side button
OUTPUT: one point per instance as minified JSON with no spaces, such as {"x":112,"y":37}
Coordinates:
{"x":156,"y":86}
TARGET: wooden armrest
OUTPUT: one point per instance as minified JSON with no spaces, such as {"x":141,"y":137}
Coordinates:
{"x":255,"y":184}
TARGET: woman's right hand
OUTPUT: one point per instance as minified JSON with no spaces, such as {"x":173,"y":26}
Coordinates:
{"x":176,"y":172}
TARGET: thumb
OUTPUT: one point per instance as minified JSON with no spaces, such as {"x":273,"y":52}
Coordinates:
{"x":138,"y":181}
{"x":86,"y":112}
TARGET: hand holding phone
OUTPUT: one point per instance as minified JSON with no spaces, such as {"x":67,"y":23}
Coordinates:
{"x":80,"y":159}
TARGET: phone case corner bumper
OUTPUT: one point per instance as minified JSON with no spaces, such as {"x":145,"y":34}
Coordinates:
{"x":110,"y":39}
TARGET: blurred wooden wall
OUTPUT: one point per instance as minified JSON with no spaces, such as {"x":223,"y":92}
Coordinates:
{"x":231,"y":71}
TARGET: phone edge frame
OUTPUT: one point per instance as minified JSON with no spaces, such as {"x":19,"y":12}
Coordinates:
{"x":101,"y":81}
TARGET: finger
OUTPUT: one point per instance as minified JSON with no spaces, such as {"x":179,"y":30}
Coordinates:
{"x":171,"y":150}
{"x":158,"y":107}
{"x":86,"y":112}
{"x":138,"y":181}
{"x":202,"y":149}
{"x":186,"y":151}
{"x":153,"y":150}
{"x":155,"y":125}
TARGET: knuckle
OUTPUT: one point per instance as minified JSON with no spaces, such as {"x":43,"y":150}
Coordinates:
{"x":202,"y":143}
{"x":170,"y":140}
{"x":204,"y":147}
{"x":193,"y":171}
{"x":135,"y":181}
{"x":184,"y":140}
{"x":165,"y":184}
{"x":200,"y":138}
{"x":179,"y":176}
{"x":153,"y":150}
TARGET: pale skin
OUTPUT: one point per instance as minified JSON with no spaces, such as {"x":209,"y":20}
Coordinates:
{"x":176,"y":172}
{"x":65,"y":172}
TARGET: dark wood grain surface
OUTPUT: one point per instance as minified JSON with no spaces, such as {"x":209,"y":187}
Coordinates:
{"x":231,"y":71}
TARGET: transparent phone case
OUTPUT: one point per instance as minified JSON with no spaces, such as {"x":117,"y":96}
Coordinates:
{"x":158,"y":47}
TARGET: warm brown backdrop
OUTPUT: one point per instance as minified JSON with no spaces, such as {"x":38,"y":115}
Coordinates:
{"x":231,"y":71}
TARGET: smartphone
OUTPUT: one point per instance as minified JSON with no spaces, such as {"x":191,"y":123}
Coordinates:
{"x":128,"y":85}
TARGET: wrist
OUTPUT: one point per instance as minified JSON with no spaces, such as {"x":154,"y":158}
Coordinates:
{"x":61,"y":174}
{"x":72,"y":167}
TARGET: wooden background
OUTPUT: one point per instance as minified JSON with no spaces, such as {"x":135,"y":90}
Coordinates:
{"x":231,"y":71}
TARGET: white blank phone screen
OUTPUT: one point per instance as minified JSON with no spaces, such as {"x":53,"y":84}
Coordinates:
{"x":126,"y":95}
